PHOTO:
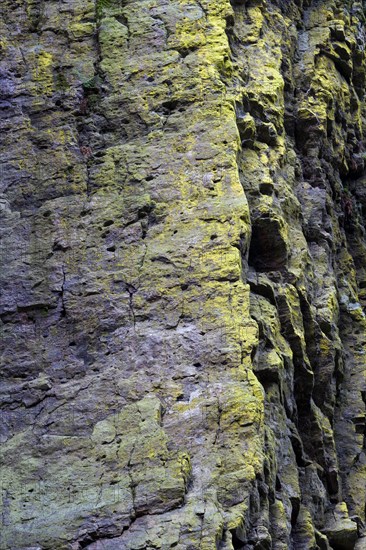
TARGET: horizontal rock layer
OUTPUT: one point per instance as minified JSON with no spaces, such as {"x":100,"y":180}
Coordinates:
{"x":183,"y":279}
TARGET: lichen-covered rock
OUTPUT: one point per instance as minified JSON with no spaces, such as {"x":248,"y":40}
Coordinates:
{"x":183,"y":276}
{"x":340,"y":530}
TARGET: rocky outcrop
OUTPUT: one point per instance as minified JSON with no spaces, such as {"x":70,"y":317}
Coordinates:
{"x":184,"y":270}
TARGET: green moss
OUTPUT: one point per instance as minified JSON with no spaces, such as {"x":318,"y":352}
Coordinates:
{"x":61,"y":83}
{"x":101,"y":6}
{"x":92,"y":83}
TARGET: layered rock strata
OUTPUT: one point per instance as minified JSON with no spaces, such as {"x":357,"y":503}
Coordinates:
{"x":183,"y":274}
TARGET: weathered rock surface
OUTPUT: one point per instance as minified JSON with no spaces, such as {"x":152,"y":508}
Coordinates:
{"x":183,"y":278}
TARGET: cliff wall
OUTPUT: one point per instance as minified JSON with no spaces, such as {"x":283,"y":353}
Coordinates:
{"x":183,"y":278}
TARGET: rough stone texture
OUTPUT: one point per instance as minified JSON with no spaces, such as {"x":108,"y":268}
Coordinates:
{"x":183,"y":282}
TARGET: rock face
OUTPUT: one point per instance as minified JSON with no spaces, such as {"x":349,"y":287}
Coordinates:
{"x":183,"y":278}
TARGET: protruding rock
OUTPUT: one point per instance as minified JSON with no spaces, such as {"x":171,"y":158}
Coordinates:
{"x":340,"y":529}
